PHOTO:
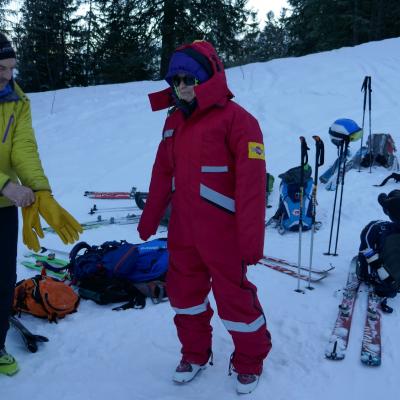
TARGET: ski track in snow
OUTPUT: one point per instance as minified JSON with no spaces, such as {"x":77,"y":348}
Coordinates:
{"x":105,"y":138}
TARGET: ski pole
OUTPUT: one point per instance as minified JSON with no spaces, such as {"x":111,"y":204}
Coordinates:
{"x":303,"y":163}
{"x":319,"y":161}
{"x":363,"y":89}
{"x":340,"y":150}
{"x":370,"y":133}
{"x":341,"y":197}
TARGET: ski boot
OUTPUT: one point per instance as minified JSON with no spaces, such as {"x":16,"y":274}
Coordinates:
{"x":8,"y":364}
{"x":246,"y":383}
{"x":185,"y":371}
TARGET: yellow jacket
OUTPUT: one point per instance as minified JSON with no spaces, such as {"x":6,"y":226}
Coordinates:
{"x":19,"y":157}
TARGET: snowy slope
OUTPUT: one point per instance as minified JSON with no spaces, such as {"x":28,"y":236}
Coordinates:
{"x":105,"y":138}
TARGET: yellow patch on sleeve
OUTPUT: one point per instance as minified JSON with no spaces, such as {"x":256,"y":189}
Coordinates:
{"x":256,"y":151}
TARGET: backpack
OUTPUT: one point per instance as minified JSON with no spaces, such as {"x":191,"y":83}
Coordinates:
{"x":269,"y":186}
{"x":379,"y":257}
{"x":382,"y":152}
{"x":121,"y":271}
{"x":45,"y":297}
{"x":287,"y":216}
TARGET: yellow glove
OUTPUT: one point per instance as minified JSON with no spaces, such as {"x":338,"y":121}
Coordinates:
{"x":32,"y":228}
{"x":64,"y":224}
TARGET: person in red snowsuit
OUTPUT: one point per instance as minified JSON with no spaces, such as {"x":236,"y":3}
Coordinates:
{"x":210,"y":166}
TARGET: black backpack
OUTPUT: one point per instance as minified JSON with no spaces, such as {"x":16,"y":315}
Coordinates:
{"x":379,"y":257}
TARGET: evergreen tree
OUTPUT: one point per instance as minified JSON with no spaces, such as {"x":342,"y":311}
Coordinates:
{"x":84,"y":62}
{"x":5,"y":13}
{"x":181,"y":21}
{"x":45,"y":43}
{"x":318,"y":25}
{"x":126,"y":49}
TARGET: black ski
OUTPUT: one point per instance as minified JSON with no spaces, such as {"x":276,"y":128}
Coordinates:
{"x":30,"y":339}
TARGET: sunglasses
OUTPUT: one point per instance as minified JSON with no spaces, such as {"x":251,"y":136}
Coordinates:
{"x":188,"y":80}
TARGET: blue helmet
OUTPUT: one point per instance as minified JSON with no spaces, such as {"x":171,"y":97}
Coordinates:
{"x":344,"y":130}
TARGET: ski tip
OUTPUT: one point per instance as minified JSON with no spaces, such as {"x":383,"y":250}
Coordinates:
{"x":370,"y":360}
{"x":41,"y":339}
{"x":32,"y":347}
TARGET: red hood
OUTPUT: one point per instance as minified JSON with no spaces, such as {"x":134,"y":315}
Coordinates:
{"x":212,"y":92}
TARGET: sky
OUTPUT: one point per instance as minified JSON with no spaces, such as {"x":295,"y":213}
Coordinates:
{"x":106,"y":137}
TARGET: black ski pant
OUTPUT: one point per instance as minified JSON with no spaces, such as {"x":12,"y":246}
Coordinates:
{"x":8,"y":265}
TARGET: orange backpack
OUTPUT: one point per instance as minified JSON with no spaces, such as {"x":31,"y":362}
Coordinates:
{"x":45,"y":297}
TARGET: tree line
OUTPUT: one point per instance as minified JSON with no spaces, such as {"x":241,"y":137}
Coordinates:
{"x":64,"y":43}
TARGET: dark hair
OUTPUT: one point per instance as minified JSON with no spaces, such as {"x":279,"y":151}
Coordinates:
{"x":6,"y":49}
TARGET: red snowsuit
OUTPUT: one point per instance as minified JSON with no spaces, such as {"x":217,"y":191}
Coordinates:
{"x":211,"y":167}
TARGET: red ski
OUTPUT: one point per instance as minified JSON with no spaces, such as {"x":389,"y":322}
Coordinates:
{"x":291,"y":272}
{"x":337,"y":345}
{"x":286,"y":263}
{"x":110,"y":195}
{"x":371,"y":353}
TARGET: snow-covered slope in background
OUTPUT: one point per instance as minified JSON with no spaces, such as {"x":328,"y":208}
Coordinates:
{"x":105,"y":138}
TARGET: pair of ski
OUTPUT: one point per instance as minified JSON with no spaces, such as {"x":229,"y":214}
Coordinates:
{"x":55,"y":267}
{"x":30,"y":339}
{"x":128,"y":219}
{"x":292,"y":269}
{"x":371,"y":352}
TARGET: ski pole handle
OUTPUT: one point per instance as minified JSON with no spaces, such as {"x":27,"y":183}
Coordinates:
{"x":320,"y":151}
{"x":304,"y":153}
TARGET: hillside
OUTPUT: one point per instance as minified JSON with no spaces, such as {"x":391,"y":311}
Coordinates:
{"x":105,"y":138}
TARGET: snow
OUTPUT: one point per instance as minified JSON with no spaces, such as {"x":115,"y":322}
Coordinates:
{"x":105,"y":138}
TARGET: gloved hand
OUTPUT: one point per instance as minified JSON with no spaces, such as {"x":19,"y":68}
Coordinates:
{"x":64,"y":224}
{"x":31,"y":226}
{"x":143,"y":230}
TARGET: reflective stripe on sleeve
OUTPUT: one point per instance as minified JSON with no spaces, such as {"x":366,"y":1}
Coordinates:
{"x":192,"y":310}
{"x":243,"y":327}
{"x":168,"y":133}
{"x":217,"y":198}
{"x":207,"y":168}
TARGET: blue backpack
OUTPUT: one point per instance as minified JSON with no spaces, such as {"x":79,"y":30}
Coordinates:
{"x":287,"y":216}
{"x":120,"y":272}
{"x":133,"y":262}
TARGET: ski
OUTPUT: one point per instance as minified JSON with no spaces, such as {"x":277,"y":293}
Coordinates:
{"x":337,"y":345}
{"x":49,"y":259}
{"x":30,"y":339}
{"x":110,"y":195}
{"x":290,"y":272}
{"x":95,"y":209}
{"x":38,"y":266}
{"x":294,"y":265}
{"x":129,"y":219}
{"x":53,"y":251}
{"x":371,"y":353}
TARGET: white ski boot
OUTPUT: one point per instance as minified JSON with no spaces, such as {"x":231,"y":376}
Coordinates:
{"x":246,"y":383}
{"x":185,"y":371}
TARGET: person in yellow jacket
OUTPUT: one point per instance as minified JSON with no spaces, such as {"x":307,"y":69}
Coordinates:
{"x":22,"y":184}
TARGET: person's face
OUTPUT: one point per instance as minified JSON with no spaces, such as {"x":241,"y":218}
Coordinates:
{"x":185,"y":85}
{"x":6,"y":71}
